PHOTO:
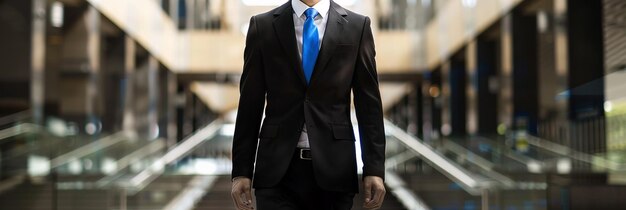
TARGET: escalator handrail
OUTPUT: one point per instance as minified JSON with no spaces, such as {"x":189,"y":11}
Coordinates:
{"x":576,"y":155}
{"x":90,"y":148}
{"x":528,"y":161}
{"x":151,"y":148}
{"x":469,"y":182}
{"x":18,"y":130}
{"x":399,"y":190}
{"x":193,"y":192}
{"x":486,"y":165}
{"x":145,"y":177}
{"x":15,"y":117}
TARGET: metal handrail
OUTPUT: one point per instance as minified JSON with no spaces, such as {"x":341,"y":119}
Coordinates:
{"x":18,"y":130}
{"x":145,"y":177}
{"x":399,"y":190}
{"x":528,"y":161}
{"x":192,"y":193}
{"x":15,"y":117}
{"x":576,"y":155}
{"x":486,"y":165}
{"x":154,"y":147}
{"x":88,"y":149}
{"x":469,"y":182}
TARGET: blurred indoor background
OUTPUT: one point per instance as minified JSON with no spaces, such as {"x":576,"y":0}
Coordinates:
{"x":489,"y":104}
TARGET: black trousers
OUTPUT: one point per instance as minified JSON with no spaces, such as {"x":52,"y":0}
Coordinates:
{"x":299,"y":191}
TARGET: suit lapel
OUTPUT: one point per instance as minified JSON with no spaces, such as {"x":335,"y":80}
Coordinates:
{"x":284,"y":28}
{"x":334,"y":29}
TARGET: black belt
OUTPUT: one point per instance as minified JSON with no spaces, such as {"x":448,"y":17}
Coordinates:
{"x":304,"y":154}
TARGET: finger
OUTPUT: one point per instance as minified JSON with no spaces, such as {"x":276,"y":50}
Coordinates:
{"x":239,"y":202}
{"x":248,"y":197}
{"x":369,"y":205}
{"x":376,"y":200}
{"x":379,"y":196}
{"x":236,"y":199}
{"x":246,"y":205}
{"x":367,"y":188}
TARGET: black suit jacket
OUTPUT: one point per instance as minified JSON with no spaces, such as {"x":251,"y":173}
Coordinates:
{"x":273,"y":73}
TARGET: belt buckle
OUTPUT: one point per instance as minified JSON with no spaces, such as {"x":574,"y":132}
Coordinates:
{"x":302,"y":154}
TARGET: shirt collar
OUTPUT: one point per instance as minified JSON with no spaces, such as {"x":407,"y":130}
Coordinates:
{"x":322,"y":7}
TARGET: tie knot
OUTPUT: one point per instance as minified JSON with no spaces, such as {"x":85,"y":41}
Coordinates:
{"x":311,"y":13}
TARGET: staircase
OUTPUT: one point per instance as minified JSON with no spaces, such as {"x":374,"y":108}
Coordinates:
{"x":218,"y":198}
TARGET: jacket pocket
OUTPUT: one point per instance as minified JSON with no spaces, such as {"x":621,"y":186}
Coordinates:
{"x":343,"y":132}
{"x":268,"y":131}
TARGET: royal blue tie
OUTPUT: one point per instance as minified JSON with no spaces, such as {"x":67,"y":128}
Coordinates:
{"x":310,"y":44}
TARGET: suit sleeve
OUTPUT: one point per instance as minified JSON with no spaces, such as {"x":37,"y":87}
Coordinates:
{"x":252,"y":90}
{"x":368,"y":106}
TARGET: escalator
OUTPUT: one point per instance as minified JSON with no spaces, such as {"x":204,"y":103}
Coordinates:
{"x":118,"y":172}
{"x":494,"y":173}
{"x":506,"y":173}
{"x":121,"y":172}
{"x":194,"y":174}
{"x":62,"y":171}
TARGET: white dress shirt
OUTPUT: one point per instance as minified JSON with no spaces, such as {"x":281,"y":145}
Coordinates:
{"x":299,"y":18}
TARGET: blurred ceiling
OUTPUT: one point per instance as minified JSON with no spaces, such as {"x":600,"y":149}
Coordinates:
{"x":224,"y":98}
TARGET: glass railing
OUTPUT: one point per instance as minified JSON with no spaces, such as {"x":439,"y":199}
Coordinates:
{"x":140,"y":174}
{"x":40,"y":153}
{"x":60,"y":169}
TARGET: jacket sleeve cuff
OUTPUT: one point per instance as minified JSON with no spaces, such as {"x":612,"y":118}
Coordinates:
{"x":237,"y":173}
{"x":374,"y":172}
{"x":237,"y":177}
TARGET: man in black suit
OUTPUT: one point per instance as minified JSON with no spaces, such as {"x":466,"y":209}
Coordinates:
{"x":303,"y":59}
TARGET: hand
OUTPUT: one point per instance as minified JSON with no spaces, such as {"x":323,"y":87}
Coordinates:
{"x":242,"y":197}
{"x":374,"y":192}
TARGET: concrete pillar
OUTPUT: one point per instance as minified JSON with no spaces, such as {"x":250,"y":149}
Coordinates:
{"x":586,"y":75}
{"x":188,"y":111}
{"x":153,"y":98}
{"x":93,"y":24}
{"x":446,"y":105}
{"x":552,"y":105}
{"x":129,"y":120}
{"x":471,"y":91}
{"x":172,"y":103}
{"x":486,"y":83}
{"x":457,"y":84}
{"x":414,"y":110}
{"x":418,"y":98}
{"x":38,"y":60}
{"x":505,"y":90}
{"x":525,"y":70}
{"x":432,"y":105}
